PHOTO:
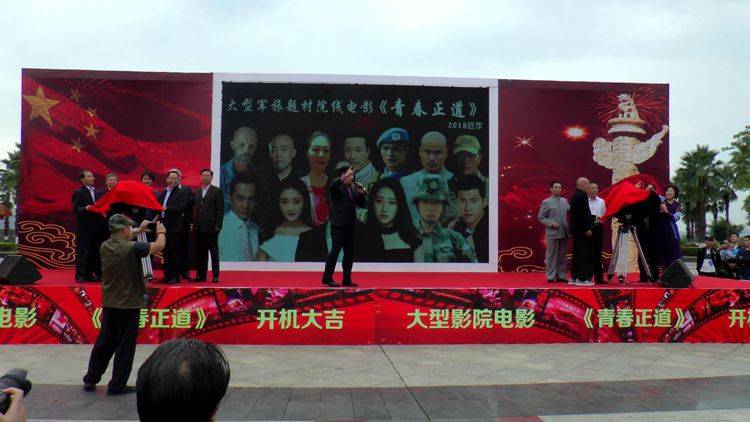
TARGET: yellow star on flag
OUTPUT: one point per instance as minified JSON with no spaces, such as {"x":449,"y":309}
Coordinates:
{"x":91,"y":131}
{"x":40,"y":105}
{"x":77,"y":144}
{"x":76,"y":95}
{"x":91,"y":112}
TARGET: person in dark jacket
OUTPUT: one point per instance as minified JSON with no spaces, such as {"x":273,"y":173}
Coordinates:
{"x":581,"y":228}
{"x":173,"y":206}
{"x":209,"y":215}
{"x":345,"y":195}
{"x":708,"y":261}
{"x":89,"y":226}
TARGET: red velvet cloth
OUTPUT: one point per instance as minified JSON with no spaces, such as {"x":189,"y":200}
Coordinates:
{"x":127,"y":192}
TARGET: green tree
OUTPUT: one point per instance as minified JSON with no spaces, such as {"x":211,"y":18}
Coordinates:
{"x":697,"y":180}
{"x":726,"y":177}
{"x":721,"y":229}
{"x":9,"y":179}
{"x":740,"y":153}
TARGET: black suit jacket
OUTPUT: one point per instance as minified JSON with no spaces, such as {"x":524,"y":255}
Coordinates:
{"x":189,"y":210}
{"x":580,"y":214}
{"x":176,"y":205}
{"x":702,"y":256}
{"x":86,"y":220}
{"x":343,"y":212}
{"x":209,"y":209}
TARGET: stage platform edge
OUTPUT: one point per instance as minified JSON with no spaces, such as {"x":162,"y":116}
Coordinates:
{"x":387,"y":308}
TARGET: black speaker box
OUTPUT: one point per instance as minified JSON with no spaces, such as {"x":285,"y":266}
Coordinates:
{"x":16,"y":270}
{"x":678,"y":275}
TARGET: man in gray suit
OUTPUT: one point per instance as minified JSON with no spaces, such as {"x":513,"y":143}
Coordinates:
{"x":553,"y":214}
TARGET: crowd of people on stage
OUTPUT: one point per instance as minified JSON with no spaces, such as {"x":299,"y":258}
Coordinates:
{"x":582,"y":220}
{"x":427,"y":214}
{"x":183,"y":211}
{"x":729,"y":259}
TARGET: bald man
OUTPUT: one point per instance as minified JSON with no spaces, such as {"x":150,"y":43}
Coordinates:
{"x":581,"y":228}
{"x":433,"y":150}
{"x":244,"y":143}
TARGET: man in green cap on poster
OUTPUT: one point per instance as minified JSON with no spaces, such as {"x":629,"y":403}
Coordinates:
{"x":438,"y":243}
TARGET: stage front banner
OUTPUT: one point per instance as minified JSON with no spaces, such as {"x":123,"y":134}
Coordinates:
{"x":72,"y":315}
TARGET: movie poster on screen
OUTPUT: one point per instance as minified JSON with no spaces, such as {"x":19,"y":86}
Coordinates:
{"x":421,"y":151}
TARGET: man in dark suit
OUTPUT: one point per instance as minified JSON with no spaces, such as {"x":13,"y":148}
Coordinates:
{"x":173,"y":206}
{"x":209,"y":216}
{"x":88,"y":230}
{"x":187,"y":221}
{"x":345,"y":195}
{"x":581,"y":228}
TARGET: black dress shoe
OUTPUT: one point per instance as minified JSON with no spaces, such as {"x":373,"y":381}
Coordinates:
{"x":550,"y":281}
{"x":215,"y":280}
{"x":89,"y":387}
{"x":198,"y":279}
{"x":80,"y":279}
{"x":349,"y":283}
{"x":562,"y":280}
{"x":328,"y":281}
{"x":120,"y":391}
{"x":173,"y":280}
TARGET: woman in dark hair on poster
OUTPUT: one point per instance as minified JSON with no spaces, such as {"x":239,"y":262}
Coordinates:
{"x":665,"y":234}
{"x":318,"y":152}
{"x":292,"y":217}
{"x":388,"y":234}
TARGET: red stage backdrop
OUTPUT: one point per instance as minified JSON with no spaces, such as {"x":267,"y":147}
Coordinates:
{"x":105,"y":122}
{"x":564,"y":130}
{"x":59,"y":314}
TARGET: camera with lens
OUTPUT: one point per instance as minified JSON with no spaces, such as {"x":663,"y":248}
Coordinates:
{"x":15,"y":378}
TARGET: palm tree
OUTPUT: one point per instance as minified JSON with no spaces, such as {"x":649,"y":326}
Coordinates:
{"x":9,"y":179}
{"x":740,"y":157}
{"x":726,"y":176}
{"x":696,"y":178}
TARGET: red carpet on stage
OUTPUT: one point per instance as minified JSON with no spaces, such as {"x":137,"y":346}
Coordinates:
{"x":372,"y":280}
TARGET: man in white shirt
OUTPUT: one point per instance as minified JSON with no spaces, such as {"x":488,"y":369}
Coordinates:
{"x":708,"y":260}
{"x":598,"y":209}
{"x":238,"y":239}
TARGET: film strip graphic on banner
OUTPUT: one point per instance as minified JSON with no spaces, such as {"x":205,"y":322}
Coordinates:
{"x":236,"y":306}
{"x":707,"y":307}
{"x":46,"y":313}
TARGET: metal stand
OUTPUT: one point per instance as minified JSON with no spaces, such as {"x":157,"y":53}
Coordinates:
{"x":148,"y":270}
{"x":618,"y":265}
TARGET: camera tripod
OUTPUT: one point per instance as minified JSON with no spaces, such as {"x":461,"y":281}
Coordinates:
{"x":618,"y":265}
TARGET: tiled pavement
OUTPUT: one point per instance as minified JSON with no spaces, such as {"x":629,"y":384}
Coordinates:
{"x":564,"y":382}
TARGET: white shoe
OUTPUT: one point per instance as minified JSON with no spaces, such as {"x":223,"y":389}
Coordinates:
{"x":573,"y":282}
{"x":585,"y":283}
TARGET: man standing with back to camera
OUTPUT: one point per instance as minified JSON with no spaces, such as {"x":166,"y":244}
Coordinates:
{"x":345,"y":196}
{"x":123,"y":297}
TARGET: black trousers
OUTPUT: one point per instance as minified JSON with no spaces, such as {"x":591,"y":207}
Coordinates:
{"x":184,"y":266}
{"x":644,"y":239}
{"x":88,"y":261}
{"x":597,"y":241}
{"x":206,"y":243}
{"x":341,"y":238}
{"x":172,"y":255}
{"x":117,"y":337}
{"x":581,"y":265}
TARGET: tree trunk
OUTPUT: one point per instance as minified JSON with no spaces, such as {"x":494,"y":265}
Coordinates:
{"x":726,"y":208}
{"x":700,"y":224}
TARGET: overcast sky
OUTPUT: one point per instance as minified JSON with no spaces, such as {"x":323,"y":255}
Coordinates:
{"x":700,"y":48}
